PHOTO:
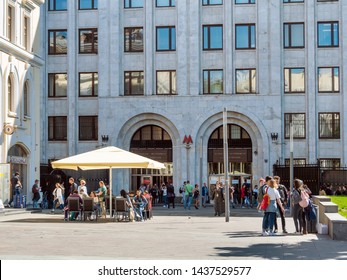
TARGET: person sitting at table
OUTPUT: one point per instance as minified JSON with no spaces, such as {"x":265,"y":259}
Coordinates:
{"x":139,"y":203}
{"x":73,"y":215}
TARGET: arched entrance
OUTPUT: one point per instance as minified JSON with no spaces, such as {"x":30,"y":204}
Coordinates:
{"x":17,"y":157}
{"x":153,"y":142}
{"x":239,"y":155}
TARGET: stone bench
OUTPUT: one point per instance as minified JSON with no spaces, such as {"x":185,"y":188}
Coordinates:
{"x":337,"y":226}
{"x":324,"y":208}
{"x":317,"y":198}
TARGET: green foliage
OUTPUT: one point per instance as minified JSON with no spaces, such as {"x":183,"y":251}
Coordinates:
{"x":341,"y":201}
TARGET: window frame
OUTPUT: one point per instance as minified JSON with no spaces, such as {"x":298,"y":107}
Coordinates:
{"x":88,"y":9}
{"x":172,"y":3}
{"x":54,"y":9}
{"x":334,"y":114}
{"x":11,"y":20}
{"x":249,"y":81}
{"x":293,"y":1}
{"x":94,"y":46}
{"x":331,"y":35}
{"x":55,"y":44}
{"x":130,"y":78}
{"x":290,"y":91}
{"x":26,"y":32}
{"x":209,"y":81}
{"x":125,"y":41}
{"x":94,"y":128}
{"x":209,"y":26}
{"x":170,"y":28}
{"x":249,"y":47}
{"x":332,"y":81}
{"x":130,"y":5}
{"x":26,"y":99}
{"x":208,"y":3}
{"x":249,"y":2}
{"x":93,"y":84}
{"x":54,"y":118}
{"x":290,"y":39}
{"x":171,"y":72}
{"x":10,"y":93}
{"x":287,"y":125}
{"x":54,"y":88}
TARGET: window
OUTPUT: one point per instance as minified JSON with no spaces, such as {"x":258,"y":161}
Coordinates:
{"x":133,"y":83}
{"x":294,"y":35}
{"x":133,"y":3}
{"x":57,"y":42}
{"x":213,"y":81}
{"x":299,"y":124}
{"x":294,"y":80}
{"x":57,"y":5}
{"x":296,"y":161}
{"x":328,"y":34}
{"x":10,"y":94}
{"x":212,"y":2}
{"x":88,"y":4}
{"x":26,"y":33}
{"x":165,"y":3}
{"x":244,"y":1}
{"x":88,"y":128}
{"x":213,"y":37}
{"x":57,"y":128}
{"x":328,"y":79}
{"x":89,"y":40}
{"x":10,"y":23}
{"x":57,"y":85}
{"x":88,"y":84}
{"x":330,"y":163}
{"x":245,"y":36}
{"x":133,"y":39}
{"x":329,"y":125}
{"x":292,"y":1}
{"x":166,"y":38}
{"x":245,"y":81}
{"x":327,"y":0}
{"x":26,"y":98}
{"x":166,"y":82}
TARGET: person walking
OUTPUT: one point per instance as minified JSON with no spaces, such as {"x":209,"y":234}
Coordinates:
{"x":36,"y":193}
{"x":58,"y":197}
{"x":204,"y":194}
{"x":196,"y":194}
{"x":16,"y":186}
{"x":171,"y":195}
{"x":188,"y":190}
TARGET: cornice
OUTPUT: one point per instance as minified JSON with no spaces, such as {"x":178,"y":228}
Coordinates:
{"x":19,"y":53}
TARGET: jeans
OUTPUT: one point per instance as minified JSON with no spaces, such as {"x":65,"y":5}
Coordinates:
{"x":269,"y":221}
{"x":297,"y":216}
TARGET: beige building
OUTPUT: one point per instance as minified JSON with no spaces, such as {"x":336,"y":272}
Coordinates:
{"x":21,"y":72}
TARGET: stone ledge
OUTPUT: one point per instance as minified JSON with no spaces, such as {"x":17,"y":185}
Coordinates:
{"x":337,"y":226}
{"x":317,"y":198}
{"x":324,"y":208}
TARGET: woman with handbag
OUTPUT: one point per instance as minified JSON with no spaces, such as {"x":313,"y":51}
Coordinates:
{"x":270,"y":212}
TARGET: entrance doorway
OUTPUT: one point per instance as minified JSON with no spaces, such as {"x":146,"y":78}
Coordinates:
{"x":17,"y":157}
{"x":239,"y":156}
{"x":155,"y":143}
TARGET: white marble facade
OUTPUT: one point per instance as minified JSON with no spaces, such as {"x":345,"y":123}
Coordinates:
{"x":190,"y":112}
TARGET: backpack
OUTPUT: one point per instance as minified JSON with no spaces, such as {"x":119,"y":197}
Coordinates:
{"x":305,"y":198}
{"x":34,"y":189}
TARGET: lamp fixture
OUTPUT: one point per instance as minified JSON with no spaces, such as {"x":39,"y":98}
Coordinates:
{"x":104,"y":138}
{"x":274,"y":136}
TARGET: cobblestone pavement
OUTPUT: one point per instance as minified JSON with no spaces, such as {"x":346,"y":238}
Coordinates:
{"x":171,"y":234}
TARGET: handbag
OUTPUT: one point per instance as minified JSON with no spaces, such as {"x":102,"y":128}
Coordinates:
{"x":131,"y":215}
{"x":265,"y":202}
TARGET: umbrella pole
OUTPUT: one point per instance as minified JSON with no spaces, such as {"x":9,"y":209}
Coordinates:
{"x":110,"y":175}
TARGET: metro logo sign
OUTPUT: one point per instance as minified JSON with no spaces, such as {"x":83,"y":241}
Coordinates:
{"x":187,"y":139}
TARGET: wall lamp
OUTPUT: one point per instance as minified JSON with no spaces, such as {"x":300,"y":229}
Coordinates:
{"x":104,"y":138}
{"x":274,"y":136}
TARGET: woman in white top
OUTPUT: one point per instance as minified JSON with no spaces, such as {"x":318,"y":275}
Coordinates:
{"x":58,"y":196}
{"x":270,"y":212}
{"x":82,"y":187}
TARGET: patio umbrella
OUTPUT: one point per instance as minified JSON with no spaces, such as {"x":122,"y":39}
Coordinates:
{"x":107,"y":158}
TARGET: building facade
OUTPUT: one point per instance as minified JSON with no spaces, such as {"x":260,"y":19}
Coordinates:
{"x":154,"y":77}
{"x":21,"y":72}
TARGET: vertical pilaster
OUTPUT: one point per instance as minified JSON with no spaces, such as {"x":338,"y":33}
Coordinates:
{"x":149,"y":48}
{"x":228,"y":46}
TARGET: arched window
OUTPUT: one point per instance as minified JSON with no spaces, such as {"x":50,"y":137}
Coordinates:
{"x":26,"y":98}
{"x":10,"y":94}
